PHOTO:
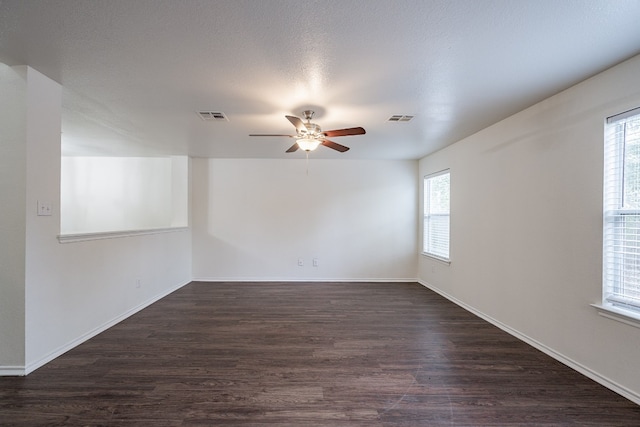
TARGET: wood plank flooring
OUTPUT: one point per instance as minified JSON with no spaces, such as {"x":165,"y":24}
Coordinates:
{"x":308,"y":354}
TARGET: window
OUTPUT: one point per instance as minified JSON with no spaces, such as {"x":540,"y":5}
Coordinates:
{"x":621,"y":263}
{"x":436,"y":215}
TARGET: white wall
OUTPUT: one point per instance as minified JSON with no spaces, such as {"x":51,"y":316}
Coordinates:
{"x":253,"y":219}
{"x":70,"y":291}
{"x":13,"y":89}
{"x":526,"y":227}
{"x":104,"y":194}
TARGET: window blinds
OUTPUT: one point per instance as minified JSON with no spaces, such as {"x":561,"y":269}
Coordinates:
{"x":621,"y":264}
{"x":436,"y":215}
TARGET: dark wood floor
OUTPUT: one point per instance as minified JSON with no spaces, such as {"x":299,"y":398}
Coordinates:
{"x":308,"y":354}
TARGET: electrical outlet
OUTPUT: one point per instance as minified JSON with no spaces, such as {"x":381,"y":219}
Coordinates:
{"x":300,"y":262}
{"x":315,"y":262}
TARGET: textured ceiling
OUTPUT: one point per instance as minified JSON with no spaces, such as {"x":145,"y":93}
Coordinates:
{"x":135,"y":73}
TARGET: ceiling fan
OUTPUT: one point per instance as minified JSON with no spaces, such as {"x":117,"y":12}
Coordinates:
{"x":309,"y":135}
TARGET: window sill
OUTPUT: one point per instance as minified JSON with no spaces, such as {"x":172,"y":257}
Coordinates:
{"x":437,"y":258}
{"x":83,"y":237}
{"x":618,"y":314}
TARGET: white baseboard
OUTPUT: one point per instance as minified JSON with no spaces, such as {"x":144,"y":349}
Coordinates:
{"x":303,"y":279}
{"x":30,"y":367}
{"x":584,"y":370}
{"x":11,"y":371}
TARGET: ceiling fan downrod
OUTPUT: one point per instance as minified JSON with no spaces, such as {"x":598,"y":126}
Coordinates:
{"x":308,"y":114}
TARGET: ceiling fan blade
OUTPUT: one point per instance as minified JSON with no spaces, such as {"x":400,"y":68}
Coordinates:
{"x":299,"y":124}
{"x":270,"y":134}
{"x":293,"y":148}
{"x":334,"y":145}
{"x":345,"y":132}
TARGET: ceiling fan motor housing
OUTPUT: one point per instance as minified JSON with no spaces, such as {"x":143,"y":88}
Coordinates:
{"x":312,"y":129}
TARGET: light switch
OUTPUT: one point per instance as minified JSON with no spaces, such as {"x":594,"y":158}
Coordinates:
{"x":44,"y":208}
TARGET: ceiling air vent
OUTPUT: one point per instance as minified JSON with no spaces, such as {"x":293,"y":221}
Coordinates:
{"x":400,"y":118}
{"x":213,"y":116}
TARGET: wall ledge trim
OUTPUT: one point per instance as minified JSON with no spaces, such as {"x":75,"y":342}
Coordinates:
{"x":602,"y":380}
{"x":83,"y":237}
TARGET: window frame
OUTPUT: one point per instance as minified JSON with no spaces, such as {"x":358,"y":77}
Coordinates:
{"x":426,"y":215}
{"x":615,"y":213}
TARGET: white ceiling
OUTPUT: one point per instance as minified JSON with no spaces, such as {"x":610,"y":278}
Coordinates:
{"x":135,"y":73}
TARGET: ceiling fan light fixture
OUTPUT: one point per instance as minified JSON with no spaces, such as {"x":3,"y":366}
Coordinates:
{"x":309,"y":135}
{"x":308,"y":144}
